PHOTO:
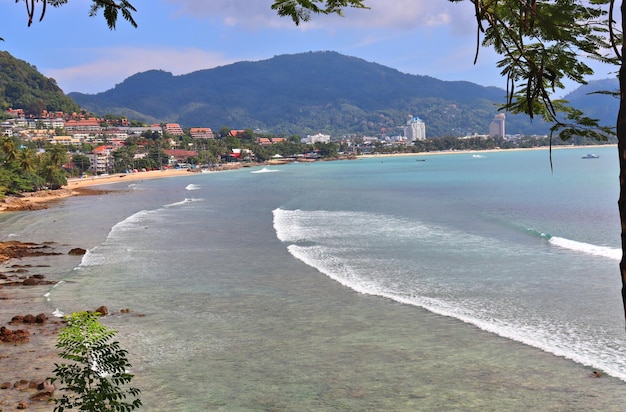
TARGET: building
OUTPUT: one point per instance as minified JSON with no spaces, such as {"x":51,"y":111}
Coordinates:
{"x":497,"y":126}
{"x":415,"y":129}
{"x":179,"y":156}
{"x":101,"y":159}
{"x":316,"y":138}
{"x":201,"y":133}
{"x":88,"y":125}
{"x":173,"y":129}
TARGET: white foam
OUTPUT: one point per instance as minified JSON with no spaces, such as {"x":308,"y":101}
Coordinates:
{"x":266,"y":170}
{"x":184,"y":202}
{"x":318,"y":238}
{"x":193,"y":187}
{"x":604,"y":251}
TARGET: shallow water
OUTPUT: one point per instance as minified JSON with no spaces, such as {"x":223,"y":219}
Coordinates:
{"x":379,"y":284}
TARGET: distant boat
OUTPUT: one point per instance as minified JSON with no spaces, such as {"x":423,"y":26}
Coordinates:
{"x":590,"y":156}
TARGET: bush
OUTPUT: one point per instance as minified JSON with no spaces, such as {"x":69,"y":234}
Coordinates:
{"x":96,"y":378}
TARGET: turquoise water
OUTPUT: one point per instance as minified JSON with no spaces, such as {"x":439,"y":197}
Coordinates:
{"x":462,"y":282}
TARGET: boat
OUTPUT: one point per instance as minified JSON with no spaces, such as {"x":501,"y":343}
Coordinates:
{"x":590,"y":156}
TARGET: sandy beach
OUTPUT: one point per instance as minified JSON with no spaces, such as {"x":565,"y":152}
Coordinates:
{"x":81,"y":187}
{"x":28,"y":337}
{"x":27,"y":328}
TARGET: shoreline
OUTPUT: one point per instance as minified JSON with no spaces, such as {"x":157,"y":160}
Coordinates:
{"x":28,"y":329}
{"x":453,"y":152}
{"x":25,"y":364}
{"x":81,"y":186}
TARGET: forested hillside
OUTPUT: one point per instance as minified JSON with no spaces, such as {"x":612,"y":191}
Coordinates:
{"x":593,"y":100}
{"x":23,"y":87}
{"x":307,"y":93}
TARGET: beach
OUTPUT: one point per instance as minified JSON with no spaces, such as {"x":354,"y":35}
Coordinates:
{"x":27,"y":349}
{"x":76,"y":187}
{"x":415,"y":351}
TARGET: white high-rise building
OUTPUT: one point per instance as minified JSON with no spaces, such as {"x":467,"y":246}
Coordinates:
{"x":497,"y":126}
{"x":415,"y":129}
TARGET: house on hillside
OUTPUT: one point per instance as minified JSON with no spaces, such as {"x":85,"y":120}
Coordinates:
{"x":64,"y":140}
{"x":236,"y":133}
{"x":88,"y":125}
{"x":173,"y":129}
{"x":201,"y":133}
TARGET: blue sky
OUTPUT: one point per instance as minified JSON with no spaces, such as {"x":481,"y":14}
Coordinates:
{"x":427,"y":37}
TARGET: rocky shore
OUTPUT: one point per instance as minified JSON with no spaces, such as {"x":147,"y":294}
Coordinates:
{"x":27,"y":332}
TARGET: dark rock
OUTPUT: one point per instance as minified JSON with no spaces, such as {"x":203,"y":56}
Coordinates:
{"x":21,"y":384}
{"x":17,"y":319}
{"x":29,"y":319}
{"x":5,"y":385}
{"x":77,"y":251}
{"x":16,"y":336}
{"x":35,"y":280}
{"x":41,"y":318}
{"x":42,"y":396}
{"x":31,"y":282}
{"x":103,"y":310}
{"x":22,"y":405}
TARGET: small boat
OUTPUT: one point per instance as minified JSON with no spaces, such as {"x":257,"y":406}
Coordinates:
{"x":590,"y":156}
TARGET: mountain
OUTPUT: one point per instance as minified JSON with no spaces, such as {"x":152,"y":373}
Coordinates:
{"x":23,"y":87}
{"x":597,"y":105}
{"x":307,"y":93}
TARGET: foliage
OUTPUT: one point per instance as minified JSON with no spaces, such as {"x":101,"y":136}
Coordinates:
{"x":300,"y":10}
{"x":95,"y":377}
{"x":343,"y":95}
{"x":110,"y":8}
{"x":541,"y":43}
{"x":23,"y":87}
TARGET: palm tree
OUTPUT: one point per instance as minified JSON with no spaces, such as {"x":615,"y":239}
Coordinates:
{"x":27,"y":160}
{"x":8,"y":150}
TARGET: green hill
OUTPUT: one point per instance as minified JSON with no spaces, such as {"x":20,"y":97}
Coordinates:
{"x":595,"y":104}
{"x":307,"y":93}
{"x":23,"y":87}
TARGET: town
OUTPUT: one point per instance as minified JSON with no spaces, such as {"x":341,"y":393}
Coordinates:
{"x":85,"y":144}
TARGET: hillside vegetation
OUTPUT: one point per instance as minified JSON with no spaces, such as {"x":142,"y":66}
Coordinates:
{"x":307,"y":93}
{"x":23,"y":87}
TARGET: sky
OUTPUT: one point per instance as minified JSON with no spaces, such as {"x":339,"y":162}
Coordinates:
{"x":434,"y":38}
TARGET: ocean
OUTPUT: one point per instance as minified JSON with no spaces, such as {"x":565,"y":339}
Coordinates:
{"x":485,"y":281}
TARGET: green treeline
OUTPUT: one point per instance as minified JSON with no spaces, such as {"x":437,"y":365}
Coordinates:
{"x":26,"y":168}
{"x":23,"y":87}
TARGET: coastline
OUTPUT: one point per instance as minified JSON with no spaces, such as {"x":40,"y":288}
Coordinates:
{"x":453,"y":152}
{"x":26,"y":365}
{"x":28,"y":329}
{"x":81,"y":186}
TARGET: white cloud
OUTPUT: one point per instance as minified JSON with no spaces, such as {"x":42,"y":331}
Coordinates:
{"x":396,"y":14}
{"x":111,"y":66}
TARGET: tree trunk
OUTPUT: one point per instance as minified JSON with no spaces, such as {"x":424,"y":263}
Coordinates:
{"x":621,"y":148}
